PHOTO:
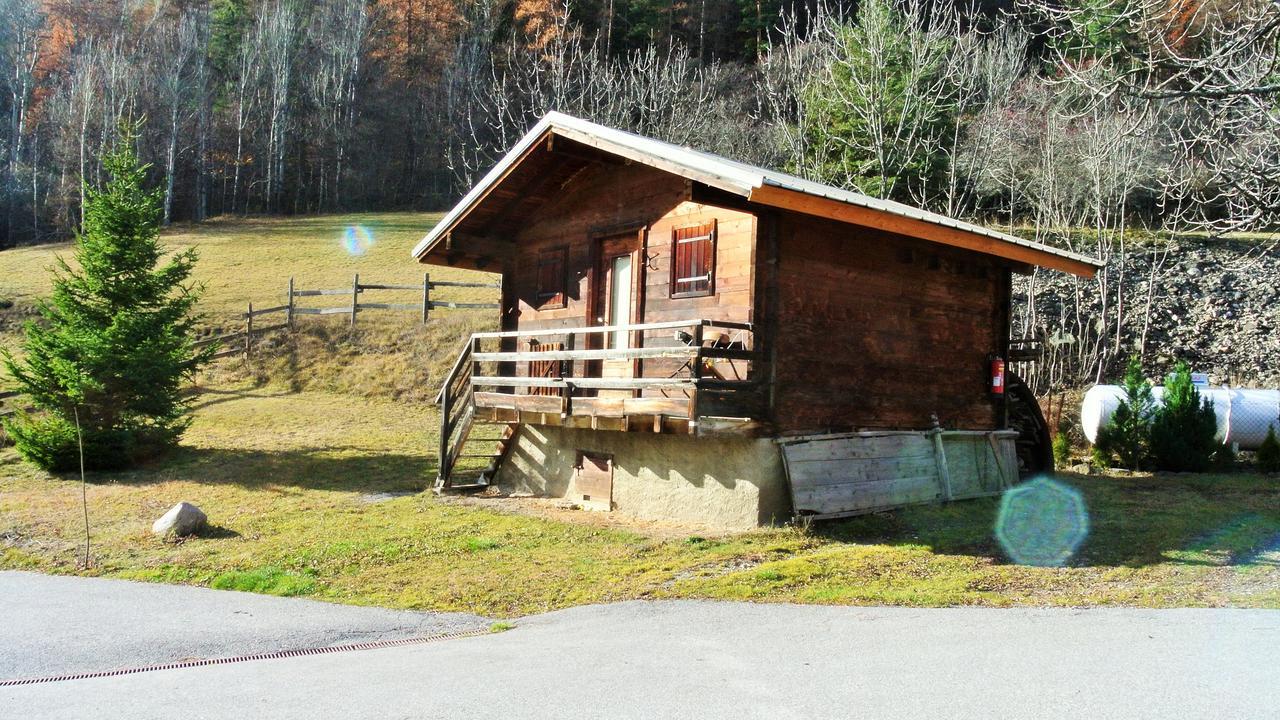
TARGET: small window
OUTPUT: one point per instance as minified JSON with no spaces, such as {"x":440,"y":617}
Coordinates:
{"x":552,"y":277}
{"x":693,"y":260}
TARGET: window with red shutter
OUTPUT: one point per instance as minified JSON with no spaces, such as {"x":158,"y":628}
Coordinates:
{"x":693,"y":260}
{"x":552,"y":278}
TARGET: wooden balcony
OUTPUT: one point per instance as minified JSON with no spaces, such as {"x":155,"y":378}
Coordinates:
{"x":704,"y":383}
{"x":688,"y":376}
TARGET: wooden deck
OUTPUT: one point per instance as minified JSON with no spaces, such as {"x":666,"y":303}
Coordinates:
{"x":715,"y":389}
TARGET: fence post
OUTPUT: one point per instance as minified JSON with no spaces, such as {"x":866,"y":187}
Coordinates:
{"x":426,"y":296}
{"x":248,"y":331}
{"x":355,"y":298}
{"x":288,"y":314}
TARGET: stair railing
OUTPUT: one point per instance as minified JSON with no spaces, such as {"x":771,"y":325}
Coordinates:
{"x":456,"y":412}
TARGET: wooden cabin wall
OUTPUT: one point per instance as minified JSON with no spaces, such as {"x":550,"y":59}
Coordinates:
{"x":881,"y":331}
{"x":604,"y":199}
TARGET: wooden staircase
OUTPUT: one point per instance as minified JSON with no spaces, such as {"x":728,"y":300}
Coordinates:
{"x":471,"y":450}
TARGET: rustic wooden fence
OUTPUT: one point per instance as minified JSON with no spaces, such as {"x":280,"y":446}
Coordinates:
{"x":241,"y":341}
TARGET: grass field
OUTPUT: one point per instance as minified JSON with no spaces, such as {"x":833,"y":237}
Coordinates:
{"x":310,"y":459}
{"x":251,"y":260}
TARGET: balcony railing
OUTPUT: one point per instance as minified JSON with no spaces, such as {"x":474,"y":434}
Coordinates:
{"x":694,"y":376}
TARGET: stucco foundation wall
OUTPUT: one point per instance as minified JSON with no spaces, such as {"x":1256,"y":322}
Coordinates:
{"x":734,"y":483}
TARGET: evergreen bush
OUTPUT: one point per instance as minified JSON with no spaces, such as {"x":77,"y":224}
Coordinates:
{"x":113,"y":344}
{"x":1268,"y":455}
{"x":1061,"y":450}
{"x":1128,"y":436}
{"x":1182,"y":432}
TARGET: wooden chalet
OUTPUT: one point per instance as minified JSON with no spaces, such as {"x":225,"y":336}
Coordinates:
{"x":692,"y":338}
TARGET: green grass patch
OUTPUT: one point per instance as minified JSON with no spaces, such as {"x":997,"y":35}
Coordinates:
{"x":266,"y":580}
{"x":478,"y":544}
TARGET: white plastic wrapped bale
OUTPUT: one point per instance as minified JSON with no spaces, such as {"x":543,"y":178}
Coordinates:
{"x":1243,"y":414}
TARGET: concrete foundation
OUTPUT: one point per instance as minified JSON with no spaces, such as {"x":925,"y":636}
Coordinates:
{"x":734,"y":483}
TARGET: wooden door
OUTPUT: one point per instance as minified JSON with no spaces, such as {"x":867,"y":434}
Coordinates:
{"x":593,"y":482}
{"x":616,"y":301}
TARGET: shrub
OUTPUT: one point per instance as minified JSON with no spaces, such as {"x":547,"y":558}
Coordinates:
{"x":1182,"y":432}
{"x":1269,"y":452}
{"x":1061,"y":449}
{"x":1100,"y":457}
{"x":1223,"y":458}
{"x":50,"y":442}
{"x":1128,"y":435}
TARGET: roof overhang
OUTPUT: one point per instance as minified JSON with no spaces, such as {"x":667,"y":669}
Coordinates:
{"x":757,"y":185}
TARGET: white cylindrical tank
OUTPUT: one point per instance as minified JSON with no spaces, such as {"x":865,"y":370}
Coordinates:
{"x":1243,"y":414}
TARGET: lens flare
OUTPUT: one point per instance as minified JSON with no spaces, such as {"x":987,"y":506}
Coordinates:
{"x":357,"y":240}
{"x":1042,"y":522}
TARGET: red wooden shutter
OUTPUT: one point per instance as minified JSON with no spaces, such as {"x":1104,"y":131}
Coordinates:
{"x":693,"y":260}
{"x":552,"y":280}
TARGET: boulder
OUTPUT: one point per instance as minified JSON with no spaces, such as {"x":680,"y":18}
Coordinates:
{"x":182,"y":519}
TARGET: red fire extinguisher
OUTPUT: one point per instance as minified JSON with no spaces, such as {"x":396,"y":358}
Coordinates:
{"x":997,"y":376}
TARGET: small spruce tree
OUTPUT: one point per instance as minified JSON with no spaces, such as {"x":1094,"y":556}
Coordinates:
{"x":1128,"y":436}
{"x":1061,"y":450}
{"x":1268,"y":455}
{"x":1182,"y":433}
{"x":114,"y":342}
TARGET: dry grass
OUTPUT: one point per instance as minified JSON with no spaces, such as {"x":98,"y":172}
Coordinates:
{"x":251,"y":259}
{"x":310,"y":458}
{"x":241,"y":260}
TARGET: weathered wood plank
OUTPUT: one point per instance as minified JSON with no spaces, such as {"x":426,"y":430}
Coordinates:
{"x":831,"y":472}
{"x":391,"y":306}
{"x":889,"y":446}
{"x":885,"y":493}
{"x":436,"y":304}
{"x":528,"y":403}
{"x":267,"y":311}
{"x":583,"y":382}
{"x":614,"y":354}
{"x":313,"y":293}
{"x":601,"y":329}
{"x":324,"y":311}
{"x":851,"y":473}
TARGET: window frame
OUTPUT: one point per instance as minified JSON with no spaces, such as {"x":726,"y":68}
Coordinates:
{"x":712,"y":238}
{"x":560,"y":298}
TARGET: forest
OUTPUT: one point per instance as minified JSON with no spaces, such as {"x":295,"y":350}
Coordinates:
{"x":1075,"y":122}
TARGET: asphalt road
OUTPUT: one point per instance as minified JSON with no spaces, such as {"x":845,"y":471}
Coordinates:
{"x":712,"y":660}
{"x":57,"y":625}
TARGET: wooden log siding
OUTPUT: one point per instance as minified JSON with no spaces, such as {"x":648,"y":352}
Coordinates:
{"x":610,"y":199}
{"x":882,"y":331}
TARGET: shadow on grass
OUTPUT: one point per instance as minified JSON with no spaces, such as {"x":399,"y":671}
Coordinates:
{"x":1134,"y":522}
{"x":217,"y":532}
{"x":344,"y":469}
{"x":208,"y":397}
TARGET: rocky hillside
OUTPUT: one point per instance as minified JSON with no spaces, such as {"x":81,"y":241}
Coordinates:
{"x":1213,"y":303}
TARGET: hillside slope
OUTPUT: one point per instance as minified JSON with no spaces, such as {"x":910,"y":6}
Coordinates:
{"x":1215,"y":304}
{"x":391,"y":354}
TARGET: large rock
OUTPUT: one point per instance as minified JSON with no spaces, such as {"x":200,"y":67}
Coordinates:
{"x":182,"y":519}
